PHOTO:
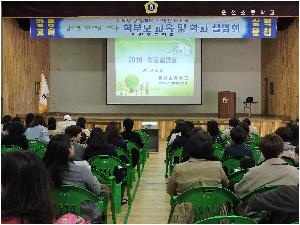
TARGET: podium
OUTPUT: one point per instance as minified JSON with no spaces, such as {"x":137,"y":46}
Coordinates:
{"x":226,"y":104}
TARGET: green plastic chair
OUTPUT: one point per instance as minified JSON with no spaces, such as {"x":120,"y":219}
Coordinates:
{"x":131,"y":145}
{"x":208,"y":201}
{"x":68,"y":198}
{"x":106,"y":165}
{"x":256,"y":155}
{"x":226,"y":142}
{"x":256,"y":138}
{"x":122,"y":152}
{"x":288,"y":160}
{"x":145,"y":150}
{"x":10,"y":148}
{"x":178,"y":152}
{"x":167,"y":160}
{"x":115,"y":197}
{"x":218,"y":150}
{"x":231,"y":165}
{"x":36,"y":144}
{"x":260,"y":190}
{"x":236,"y":177}
{"x":227,"y":220}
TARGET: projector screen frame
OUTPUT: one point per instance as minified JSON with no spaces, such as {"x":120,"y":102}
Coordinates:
{"x":137,"y":104}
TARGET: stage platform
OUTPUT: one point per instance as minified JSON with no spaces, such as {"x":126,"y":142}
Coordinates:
{"x":166,"y":122}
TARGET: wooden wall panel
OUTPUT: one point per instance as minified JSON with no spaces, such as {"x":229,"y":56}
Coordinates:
{"x":280,"y":64}
{"x":23,"y":60}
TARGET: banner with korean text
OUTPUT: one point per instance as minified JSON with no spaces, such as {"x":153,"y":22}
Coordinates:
{"x":216,"y":27}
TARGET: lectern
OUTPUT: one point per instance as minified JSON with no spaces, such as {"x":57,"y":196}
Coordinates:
{"x":226,"y":104}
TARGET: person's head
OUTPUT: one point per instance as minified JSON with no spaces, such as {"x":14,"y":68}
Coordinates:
{"x":179,"y":126}
{"x":58,"y":153}
{"x":5,"y":127}
{"x":17,"y":119}
{"x":74,"y":132}
{"x":238,"y":135}
{"x":51,"y":123}
{"x":247,"y":121}
{"x":128,"y":124}
{"x":15,"y":128}
{"x":271,"y":146}
{"x":28,"y":119}
{"x":233,"y":122}
{"x":285,"y":133}
{"x":213,"y":127}
{"x":6,"y":118}
{"x":246,"y":163}
{"x":112,"y":132}
{"x":97,"y":139}
{"x":296,"y":159}
{"x":190,"y":125}
{"x":295,"y":130}
{"x":196,"y":130}
{"x":200,"y":146}
{"x":244,"y":126}
{"x":81,"y":122}
{"x":38,"y":120}
{"x":67,"y":118}
{"x":25,"y":188}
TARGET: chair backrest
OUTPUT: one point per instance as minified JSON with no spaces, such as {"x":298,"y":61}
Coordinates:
{"x":260,"y":190}
{"x":288,"y":160}
{"x":218,"y":150}
{"x":131,"y":145}
{"x":231,"y":165}
{"x":256,"y":154}
{"x":208,"y":201}
{"x":10,"y":148}
{"x":68,"y":199}
{"x":237,"y":176}
{"x":36,"y":144}
{"x":228,"y":220}
{"x":178,"y":153}
{"x":121,"y":152}
{"x":40,"y":152}
{"x":106,"y":164}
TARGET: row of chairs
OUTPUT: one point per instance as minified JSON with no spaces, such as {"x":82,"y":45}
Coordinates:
{"x":102,"y":168}
{"x":214,"y":204}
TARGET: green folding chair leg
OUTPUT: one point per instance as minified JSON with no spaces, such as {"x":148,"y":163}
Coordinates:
{"x":117,"y":197}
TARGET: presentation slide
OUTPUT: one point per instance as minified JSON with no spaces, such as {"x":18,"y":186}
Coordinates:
{"x":153,"y":71}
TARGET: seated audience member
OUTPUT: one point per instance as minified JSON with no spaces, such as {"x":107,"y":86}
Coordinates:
{"x":15,"y":135}
{"x":175,"y":132}
{"x":295,"y":133}
{"x":252,"y":129}
{"x":28,"y":119}
{"x":25,"y":190}
{"x":282,"y":205}
{"x":17,"y":119}
{"x":97,"y":145}
{"x":67,"y":121}
{"x":198,"y":170}
{"x":190,"y":126}
{"x":52,"y":131}
{"x":180,"y":141}
{"x":213,"y":130}
{"x":130,"y":135}
{"x":113,"y":137}
{"x":74,"y":133}
{"x":273,"y":171}
{"x":81,"y":121}
{"x":62,"y":170}
{"x":6,"y":118}
{"x":245,"y":127}
{"x":5,"y":129}
{"x":237,"y":150}
{"x":37,"y":130}
{"x":233,"y":122}
{"x":286,"y":133}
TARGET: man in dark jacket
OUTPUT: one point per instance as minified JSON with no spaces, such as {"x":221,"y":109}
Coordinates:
{"x":281,"y":203}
